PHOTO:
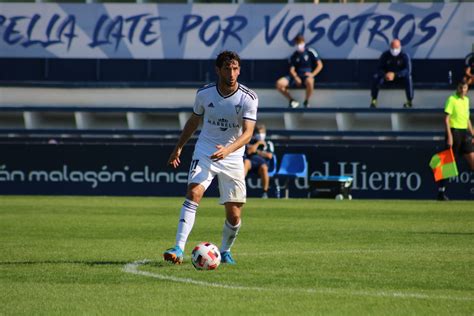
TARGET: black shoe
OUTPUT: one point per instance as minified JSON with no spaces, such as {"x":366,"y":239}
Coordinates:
{"x":408,"y":104}
{"x":306,"y":104}
{"x":442,"y":196}
{"x":373,"y":103}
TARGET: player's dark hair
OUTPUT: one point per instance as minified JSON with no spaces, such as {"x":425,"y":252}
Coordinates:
{"x":298,"y":39}
{"x":226,"y":57}
{"x":461,"y":84}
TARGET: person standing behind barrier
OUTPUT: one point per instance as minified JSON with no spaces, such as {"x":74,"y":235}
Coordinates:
{"x":459,"y":131}
{"x":305,"y":64}
{"x":258,"y":154}
{"x":469,"y":69}
{"x":394,"y":65}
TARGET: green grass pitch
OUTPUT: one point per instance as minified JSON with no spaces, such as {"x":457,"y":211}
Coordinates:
{"x":84,"y":255}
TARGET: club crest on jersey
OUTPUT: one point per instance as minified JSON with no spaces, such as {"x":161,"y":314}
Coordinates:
{"x":238,"y":107}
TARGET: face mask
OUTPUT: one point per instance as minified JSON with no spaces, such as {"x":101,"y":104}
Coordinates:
{"x":260,"y":136}
{"x":300,"y":47}
{"x":395,"y":51}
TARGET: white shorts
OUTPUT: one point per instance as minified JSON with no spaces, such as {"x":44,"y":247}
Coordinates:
{"x":230,"y":174}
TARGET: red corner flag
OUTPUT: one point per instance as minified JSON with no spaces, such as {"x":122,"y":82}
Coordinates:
{"x":444,"y":165}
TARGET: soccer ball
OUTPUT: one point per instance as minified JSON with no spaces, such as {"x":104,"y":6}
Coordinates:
{"x":206,"y":256}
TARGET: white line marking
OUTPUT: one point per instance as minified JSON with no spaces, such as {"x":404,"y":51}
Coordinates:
{"x":133,"y":268}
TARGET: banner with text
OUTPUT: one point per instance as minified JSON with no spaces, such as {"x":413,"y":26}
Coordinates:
{"x":255,"y":31}
{"x":388,"y":172}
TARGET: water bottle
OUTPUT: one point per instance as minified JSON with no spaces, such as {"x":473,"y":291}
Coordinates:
{"x":450,"y":77}
{"x":277,"y":191}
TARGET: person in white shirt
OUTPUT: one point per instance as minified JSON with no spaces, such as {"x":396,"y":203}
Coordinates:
{"x":228,"y":112}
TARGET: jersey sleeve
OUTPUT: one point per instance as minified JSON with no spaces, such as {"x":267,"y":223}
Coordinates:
{"x":448,"y":106}
{"x":314,"y":53}
{"x":250,"y":108}
{"x":198,"y":107}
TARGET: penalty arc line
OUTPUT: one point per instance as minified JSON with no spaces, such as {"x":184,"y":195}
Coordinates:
{"x":133,"y":268}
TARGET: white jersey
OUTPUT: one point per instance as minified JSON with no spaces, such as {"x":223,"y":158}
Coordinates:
{"x":223,"y":117}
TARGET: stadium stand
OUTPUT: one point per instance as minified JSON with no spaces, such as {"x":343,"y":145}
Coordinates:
{"x":165,"y":110}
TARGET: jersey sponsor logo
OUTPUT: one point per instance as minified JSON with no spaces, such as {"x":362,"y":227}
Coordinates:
{"x":223,"y":124}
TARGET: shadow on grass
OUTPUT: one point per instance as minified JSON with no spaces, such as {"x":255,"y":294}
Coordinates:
{"x":81,"y":262}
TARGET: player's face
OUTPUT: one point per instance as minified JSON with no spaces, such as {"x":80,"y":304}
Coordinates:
{"x":462,"y":90}
{"x":228,"y":73}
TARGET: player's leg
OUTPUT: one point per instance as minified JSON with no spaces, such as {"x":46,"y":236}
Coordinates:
{"x":231,"y":230}
{"x":199,"y":178}
{"x":470,"y":160}
{"x":247,"y":166}
{"x":377,"y":81}
{"x":468,"y":149}
{"x":457,"y":150}
{"x":309,"y":86}
{"x":283,"y":85}
{"x":233,"y":194}
{"x":263,"y":173}
{"x":409,"y":93}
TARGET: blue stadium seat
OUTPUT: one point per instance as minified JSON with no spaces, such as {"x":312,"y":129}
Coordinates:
{"x":292,"y":166}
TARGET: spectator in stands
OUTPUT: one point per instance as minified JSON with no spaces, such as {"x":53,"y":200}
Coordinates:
{"x":459,"y":131}
{"x":258,"y":154}
{"x":394,"y":66}
{"x":469,"y":69}
{"x":305,"y":64}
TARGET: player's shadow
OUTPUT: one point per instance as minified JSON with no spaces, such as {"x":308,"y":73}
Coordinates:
{"x":79,"y":262}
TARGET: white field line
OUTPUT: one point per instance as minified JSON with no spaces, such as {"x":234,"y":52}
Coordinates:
{"x":133,"y":268}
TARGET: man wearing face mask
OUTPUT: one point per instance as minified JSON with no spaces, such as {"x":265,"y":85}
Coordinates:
{"x":394,"y":65}
{"x":305,"y":64}
{"x":258,"y":153}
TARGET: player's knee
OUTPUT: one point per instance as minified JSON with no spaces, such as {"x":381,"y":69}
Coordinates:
{"x":194,"y":193}
{"x":281,"y":84}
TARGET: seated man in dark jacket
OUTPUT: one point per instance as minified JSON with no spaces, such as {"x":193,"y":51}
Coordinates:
{"x":394,"y":65}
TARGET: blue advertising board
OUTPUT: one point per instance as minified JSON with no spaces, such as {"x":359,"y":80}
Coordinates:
{"x":382,"y":172}
{"x":256,"y":31}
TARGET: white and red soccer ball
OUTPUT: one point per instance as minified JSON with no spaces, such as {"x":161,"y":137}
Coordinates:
{"x":206,"y":256}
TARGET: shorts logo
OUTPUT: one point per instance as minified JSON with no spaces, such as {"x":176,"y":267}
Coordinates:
{"x":238,"y":107}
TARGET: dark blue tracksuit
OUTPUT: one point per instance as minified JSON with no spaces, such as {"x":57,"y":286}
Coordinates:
{"x":400,"y":65}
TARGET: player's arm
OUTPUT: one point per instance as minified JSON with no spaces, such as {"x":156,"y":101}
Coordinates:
{"x":449,"y":135}
{"x":242,"y":140}
{"x":265,"y":154}
{"x":405,"y":72}
{"x":293,"y":73}
{"x":189,"y":128}
{"x":468,"y":72}
{"x":252,"y":148}
{"x":469,"y":126}
{"x":318,"y":68}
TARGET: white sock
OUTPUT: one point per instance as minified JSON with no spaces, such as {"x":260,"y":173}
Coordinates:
{"x":229,"y":234}
{"x":186,"y":222}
